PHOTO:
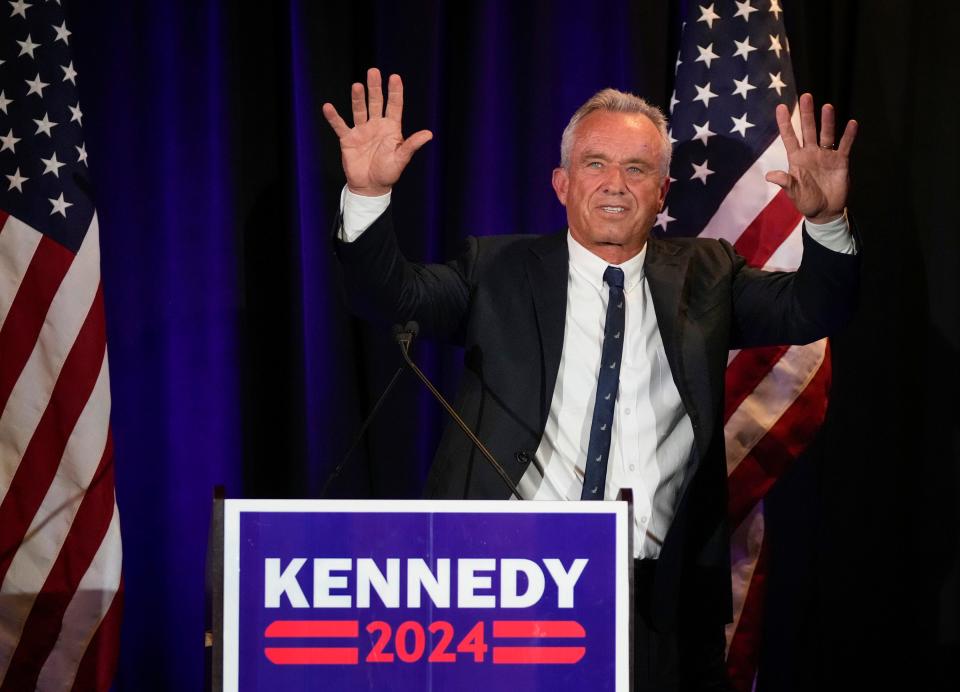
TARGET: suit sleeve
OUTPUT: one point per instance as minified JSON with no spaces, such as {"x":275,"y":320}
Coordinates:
{"x":793,"y":307}
{"x":382,"y":285}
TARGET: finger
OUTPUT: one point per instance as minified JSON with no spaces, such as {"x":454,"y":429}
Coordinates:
{"x":358,"y":104}
{"x":849,"y":134}
{"x":336,"y":122}
{"x":808,"y":124}
{"x":412,"y":143}
{"x":394,"y":97}
{"x":787,"y":133}
{"x":781,"y":178}
{"x":375,"y":92}
{"x":827,"y":126}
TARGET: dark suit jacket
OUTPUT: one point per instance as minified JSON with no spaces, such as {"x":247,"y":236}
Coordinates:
{"x":504,"y":301}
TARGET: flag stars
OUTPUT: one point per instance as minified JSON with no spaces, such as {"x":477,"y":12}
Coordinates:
{"x":775,"y":8}
{"x":16,"y":181}
{"x":60,"y":206}
{"x":704,"y":94}
{"x":9,"y":142}
{"x":63,"y":34}
{"x":745,"y":9}
{"x":19,"y":7}
{"x":45,"y":125}
{"x":775,"y":44}
{"x":76,"y":114}
{"x":740,"y":125}
{"x":743,"y":87}
{"x":51,"y":165}
{"x":81,"y":154}
{"x":4,"y":102}
{"x":708,"y":15}
{"x":743,"y":48}
{"x":706,"y":54}
{"x":703,"y":132}
{"x":777,"y":83}
{"x":673,"y":100}
{"x":69,"y":74}
{"x":664,"y":218}
{"x":701,"y":172}
{"x":36,"y":86}
{"x":27,"y":47}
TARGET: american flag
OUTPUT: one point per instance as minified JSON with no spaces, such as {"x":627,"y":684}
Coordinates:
{"x":733,"y":68}
{"x":60,"y":553}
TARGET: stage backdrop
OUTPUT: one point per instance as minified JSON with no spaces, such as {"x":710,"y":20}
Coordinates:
{"x":234,"y":361}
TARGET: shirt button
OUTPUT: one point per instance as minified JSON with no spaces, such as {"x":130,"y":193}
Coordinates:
{"x":632,"y":467}
{"x":627,"y":411}
{"x":643,"y":520}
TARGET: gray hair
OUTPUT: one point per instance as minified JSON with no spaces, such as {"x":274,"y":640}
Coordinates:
{"x":616,"y":101}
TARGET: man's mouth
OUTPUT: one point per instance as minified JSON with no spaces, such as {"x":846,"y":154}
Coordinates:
{"x":613,"y":210}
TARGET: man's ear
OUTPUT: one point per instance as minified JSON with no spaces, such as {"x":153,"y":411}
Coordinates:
{"x":560,"y":182}
{"x":664,"y":188}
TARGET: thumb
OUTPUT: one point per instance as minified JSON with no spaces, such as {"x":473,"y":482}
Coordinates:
{"x":781,"y":178}
{"x":412,"y":143}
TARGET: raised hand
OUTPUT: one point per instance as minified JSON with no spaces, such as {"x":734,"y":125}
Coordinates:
{"x":373,"y":151}
{"x":818,"y":178}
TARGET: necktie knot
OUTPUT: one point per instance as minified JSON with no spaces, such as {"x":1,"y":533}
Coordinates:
{"x":614,"y":277}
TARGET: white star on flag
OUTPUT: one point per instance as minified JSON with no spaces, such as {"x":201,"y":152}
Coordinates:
{"x":4,"y":102}
{"x":775,"y":8}
{"x":36,"y":86}
{"x":703,"y":132}
{"x":744,"y":9}
{"x":743,"y":48}
{"x":663,"y":218}
{"x":9,"y":141}
{"x":45,"y":125}
{"x":51,"y":165}
{"x":706,"y":54}
{"x":27,"y":47}
{"x":60,"y":206}
{"x":704,"y":94}
{"x":708,"y":15}
{"x":740,"y":125}
{"x":17,"y":180}
{"x":69,"y":74}
{"x":743,"y":86}
{"x":77,"y":115}
{"x":63,"y":34}
{"x":777,"y":83}
{"x":700,"y":172}
{"x":775,"y":44}
{"x":82,"y":153}
{"x":19,"y":7}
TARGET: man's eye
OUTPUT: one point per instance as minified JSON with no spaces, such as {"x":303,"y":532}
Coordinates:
{"x":594,"y":164}
{"x":634,"y":170}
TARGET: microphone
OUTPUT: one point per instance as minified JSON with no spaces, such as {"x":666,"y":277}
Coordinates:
{"x":404,"y":338}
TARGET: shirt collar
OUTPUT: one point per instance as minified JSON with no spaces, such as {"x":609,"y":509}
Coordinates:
{"x":591,"y":267}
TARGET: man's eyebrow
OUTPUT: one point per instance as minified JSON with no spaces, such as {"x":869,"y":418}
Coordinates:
{"x":604,"y":157}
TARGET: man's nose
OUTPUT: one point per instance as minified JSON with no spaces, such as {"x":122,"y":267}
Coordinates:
{"x":614,"y":182}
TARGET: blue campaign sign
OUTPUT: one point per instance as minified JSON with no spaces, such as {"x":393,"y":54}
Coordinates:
{"x":425,"y":595}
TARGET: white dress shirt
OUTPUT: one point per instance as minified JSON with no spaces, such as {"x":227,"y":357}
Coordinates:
{"x":652,"y":437}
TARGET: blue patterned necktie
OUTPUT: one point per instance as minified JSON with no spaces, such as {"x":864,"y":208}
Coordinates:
{"x":598,"y":449}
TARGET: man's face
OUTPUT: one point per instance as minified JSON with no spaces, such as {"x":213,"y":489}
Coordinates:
{"x":613,"y":188}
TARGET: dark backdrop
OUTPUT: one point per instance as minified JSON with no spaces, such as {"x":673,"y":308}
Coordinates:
{"x":233,"y":360}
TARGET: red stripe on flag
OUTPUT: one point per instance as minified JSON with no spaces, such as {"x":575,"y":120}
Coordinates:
{"x":313,"y":628}
{"x":744,"y":654}
{"x":99,"y":662}
{"x":783,"y":443}
{"x":313,"y":656}
{"x":767,"y":232}
{"x":538,"y":654}
{"x":538,"y":628}
{"x":42,"y":627}
{"x":3,"y":219}
{"x":42,"y":455}
{"x":20,"y":330}
{"x":745,"y":372}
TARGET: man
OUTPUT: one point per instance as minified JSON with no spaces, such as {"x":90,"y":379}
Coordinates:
{"x":595,"y":358}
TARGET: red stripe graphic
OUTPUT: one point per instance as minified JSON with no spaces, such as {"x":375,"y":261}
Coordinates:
{"x":20,"y":330}
{"x":42,"y":455}
{"x":783,"y":443}
{"x":538,"y":654}
{"x":767,"y":232}
{"x":86,"y":533}
{"x":313,"y":656}
{"x":313,"y":628}
{"x":744,"y":654}
{"x":538,"y":628}
{"x":100,"y":659}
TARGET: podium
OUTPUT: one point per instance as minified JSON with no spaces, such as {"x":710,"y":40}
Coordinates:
{"x":420,"y":595}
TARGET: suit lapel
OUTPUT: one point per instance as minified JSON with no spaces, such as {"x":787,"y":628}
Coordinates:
{"x":547,"y":268}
